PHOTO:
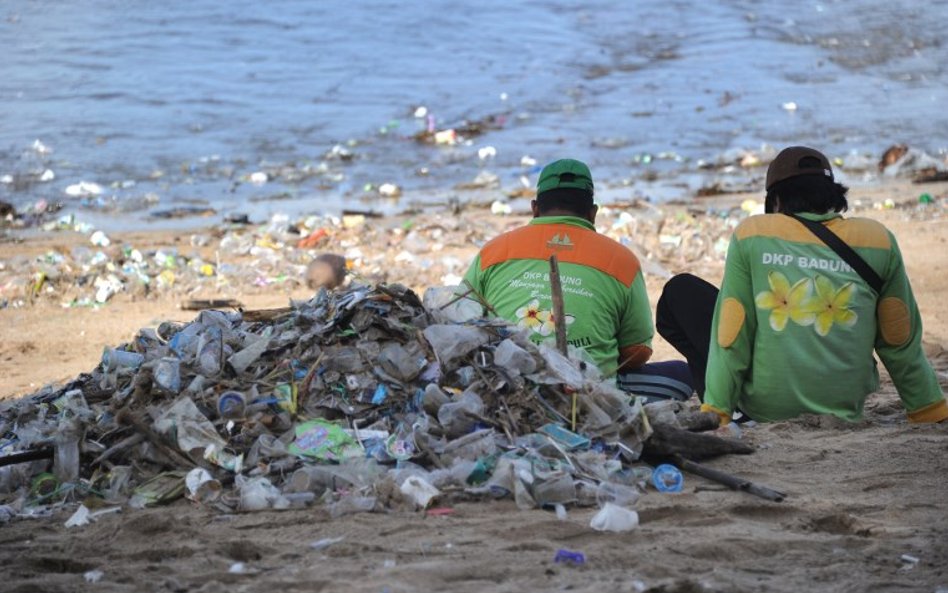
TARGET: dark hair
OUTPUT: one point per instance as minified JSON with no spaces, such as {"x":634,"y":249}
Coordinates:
{"x":807,"y":193}
{"x":578,"y":201}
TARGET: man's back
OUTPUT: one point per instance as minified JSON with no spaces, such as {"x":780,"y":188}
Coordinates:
{"x":814,"y":321}
{"x":606,"y":306}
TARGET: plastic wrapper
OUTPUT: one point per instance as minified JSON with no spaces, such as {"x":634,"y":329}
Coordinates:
{"x":258,"y":494}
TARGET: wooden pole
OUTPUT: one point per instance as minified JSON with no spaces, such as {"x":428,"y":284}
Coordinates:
{"x":25,"y":456}
{"x":559,"y":323}
{"x":733,"y":482}
{"x":559,"y":314}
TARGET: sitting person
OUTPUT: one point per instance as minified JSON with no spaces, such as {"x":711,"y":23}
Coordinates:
{"x":794,"y":325}
{"x":607,"y":312}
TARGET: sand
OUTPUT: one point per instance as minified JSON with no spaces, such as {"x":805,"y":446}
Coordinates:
{"x":866,"y":506}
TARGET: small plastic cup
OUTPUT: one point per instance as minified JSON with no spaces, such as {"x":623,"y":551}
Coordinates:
{"x":231,"y":404}
{"x":668,"y":478}
{"x":113,"y":358}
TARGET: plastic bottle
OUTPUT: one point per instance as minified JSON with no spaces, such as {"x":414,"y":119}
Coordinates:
{"x":168,"y":374}
{"x":211,"y":352}
{"x":66,"y":458}
{"x":667,"y":478}
{"x":617,"y":494}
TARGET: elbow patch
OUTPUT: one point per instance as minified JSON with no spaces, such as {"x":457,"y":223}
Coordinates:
{"x":632,"y":357}
{"x":895,"y":324}
{"x":724,"y":418}
{"x":936,"y":412}
{"x":730,"y":321}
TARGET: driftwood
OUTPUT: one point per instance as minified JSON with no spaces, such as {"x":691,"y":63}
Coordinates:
{"x":681,"y":447}
{"x":930,"y":176}
{"x":266,"y":314}
{"x":698,"y":421}
{"x":669,"y":441}
{"x":733,"y":482}
{"x":201,"y":304}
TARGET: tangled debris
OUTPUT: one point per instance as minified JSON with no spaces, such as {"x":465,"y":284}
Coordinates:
{"x":359,"y":399}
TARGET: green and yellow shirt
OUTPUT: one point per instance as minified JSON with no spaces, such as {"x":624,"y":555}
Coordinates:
{"x":605,"y":303}
{"x":795,"y":326}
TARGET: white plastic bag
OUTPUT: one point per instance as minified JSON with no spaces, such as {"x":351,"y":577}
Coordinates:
{"x":614,"y":518}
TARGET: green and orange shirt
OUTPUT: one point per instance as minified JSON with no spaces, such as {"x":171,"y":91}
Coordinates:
{"x":606,"y":307}
{"x":795,"y":327}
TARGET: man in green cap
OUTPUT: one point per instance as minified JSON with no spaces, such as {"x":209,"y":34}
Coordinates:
{"x":607,"y":312}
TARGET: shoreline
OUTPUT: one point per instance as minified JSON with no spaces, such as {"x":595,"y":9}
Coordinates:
{"x":863,"y":508}
{"x":66,"y":329}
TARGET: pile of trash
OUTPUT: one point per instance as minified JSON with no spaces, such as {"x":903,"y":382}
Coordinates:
{"x":359,"y":399}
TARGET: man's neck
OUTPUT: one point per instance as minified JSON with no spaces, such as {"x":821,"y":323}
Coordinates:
{"x":562,"y":212}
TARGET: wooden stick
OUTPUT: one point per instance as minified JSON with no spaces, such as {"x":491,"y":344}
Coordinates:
{"x":25,"y":456}
{"x":559,"y":314}
{"x":122,"y":445}
{"x":480,"y":298}
{"x":201,"y":304}
{"x":733,"y":482}
{"x":559,"y":322}
{"x":128,"y":418}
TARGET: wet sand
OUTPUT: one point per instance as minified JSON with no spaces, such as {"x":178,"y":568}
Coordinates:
{"x":865,"y":509}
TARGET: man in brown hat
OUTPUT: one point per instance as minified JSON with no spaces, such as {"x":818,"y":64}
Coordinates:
{"x":807,"y":297}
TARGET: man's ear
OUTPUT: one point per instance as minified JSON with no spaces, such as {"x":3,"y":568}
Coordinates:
{"x":591,"y":216}
{"x":534,"y":208}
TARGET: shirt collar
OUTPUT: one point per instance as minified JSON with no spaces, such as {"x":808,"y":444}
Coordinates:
{"x":568,"y":220}
{"x":819,"y":217}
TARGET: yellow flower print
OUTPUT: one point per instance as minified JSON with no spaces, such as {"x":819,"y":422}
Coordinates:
{"x":529,"y":316}
{"x":786,"y":302}
{"x":831,"y":305}
{"x":548,"y":326}
{"x":539,"y":320}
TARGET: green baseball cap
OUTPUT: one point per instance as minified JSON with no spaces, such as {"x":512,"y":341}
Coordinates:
{"x":565,"y":174}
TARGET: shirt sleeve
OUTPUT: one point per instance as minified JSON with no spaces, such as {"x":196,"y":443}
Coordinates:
{"x":474,"y":278}
{"x":899,"y":346}
{"x":732,"y":334}
{"x":636,"y":328}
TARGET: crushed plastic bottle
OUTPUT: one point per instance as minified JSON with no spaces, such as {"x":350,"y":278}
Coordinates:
{"x":66,"y":458}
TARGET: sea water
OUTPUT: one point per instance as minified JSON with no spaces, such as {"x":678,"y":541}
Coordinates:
{"x":311,"y":106}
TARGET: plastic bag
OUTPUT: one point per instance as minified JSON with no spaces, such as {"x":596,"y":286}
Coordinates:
{"x":451,"y":342}
{"x":614,"y":518}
